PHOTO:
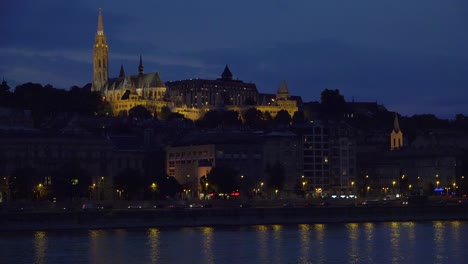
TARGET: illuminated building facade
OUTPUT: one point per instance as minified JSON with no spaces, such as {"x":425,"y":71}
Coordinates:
{"x":200,"y":93}
{"x":192,"y":98}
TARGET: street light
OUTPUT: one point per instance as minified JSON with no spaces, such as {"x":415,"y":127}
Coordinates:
{"x":393,"y":183}
{"x":276,"y":193}
{"x":352,"y":186}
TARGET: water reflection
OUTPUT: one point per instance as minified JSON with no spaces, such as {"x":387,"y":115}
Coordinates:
{"x":277,"y":243}
{"x":439,"y":241}
{"x":262,"y":237}
{"x":353,"y":238}
{"x":208,"y":244}
{"x":320,"y":237}
{"x":97,"y":237}
{"x":304,"y":234}
{"x":369,"y":230}
{"x":395,"y":242}
{"x":153,"y":243}
{"x":402,"y":242}
{"x":40,"y":247}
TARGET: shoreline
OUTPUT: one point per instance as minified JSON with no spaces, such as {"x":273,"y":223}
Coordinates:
{"x":191,"y":217}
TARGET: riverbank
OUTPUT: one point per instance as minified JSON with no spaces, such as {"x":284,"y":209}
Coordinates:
{"x":179,"y":217}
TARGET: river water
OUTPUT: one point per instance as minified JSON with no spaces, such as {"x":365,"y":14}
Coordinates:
{"x":392,"y":242}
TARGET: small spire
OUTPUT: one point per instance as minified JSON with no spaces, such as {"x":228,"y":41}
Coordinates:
{"x":100,"y":29}
{"x":226,"y":75}
{"x":283,"y":88}
{"x":141,"y":67}
{"x":122,"y":72}
{"x":283,"y":91}
{"x":396,"y":124}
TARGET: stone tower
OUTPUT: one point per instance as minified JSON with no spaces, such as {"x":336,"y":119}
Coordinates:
{"x":100,"y":58}
{"x":396,"y":137}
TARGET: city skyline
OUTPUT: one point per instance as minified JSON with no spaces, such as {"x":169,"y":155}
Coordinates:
{"x":407,"y":56}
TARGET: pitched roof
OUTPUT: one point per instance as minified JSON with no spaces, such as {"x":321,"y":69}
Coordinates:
{"x":138,"y":81}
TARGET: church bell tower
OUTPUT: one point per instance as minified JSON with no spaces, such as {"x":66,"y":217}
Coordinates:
{"x":396,"y":136}
{"x":100,"y":58}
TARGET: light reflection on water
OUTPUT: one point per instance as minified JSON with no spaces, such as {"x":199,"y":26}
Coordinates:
{"x":353,"y":238}
{"x":393,"y":242}
{"x":153,"y":243}
{"x":439,"y":241}
{"x":40,"y":247}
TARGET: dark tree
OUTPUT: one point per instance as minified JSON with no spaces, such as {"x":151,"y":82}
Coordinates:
{"x":22,"y":183}
{"x":211,"y":119}
{"x":169,"y":187}
{"x":298,"y":118}
{"x":333,"y":105}
{"x":253,"y":118}
{"x":4,"y":88}
{"x":131,"y":182}
{"x":230,"y":118}
{"x":175,"y":116}
{"x":71,"y":182}
{"x":139,"y":112}
{"x":165,"y":113}
{"x":282,"y":118}
{"x":223,"y":179}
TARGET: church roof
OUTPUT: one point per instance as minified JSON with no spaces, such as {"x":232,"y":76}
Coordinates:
{"x":147,"y":80}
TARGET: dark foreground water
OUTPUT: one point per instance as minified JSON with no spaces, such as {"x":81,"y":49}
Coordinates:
{"x":395,"y":242}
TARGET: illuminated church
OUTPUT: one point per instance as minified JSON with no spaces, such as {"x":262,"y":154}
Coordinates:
{"x":192,"y":98}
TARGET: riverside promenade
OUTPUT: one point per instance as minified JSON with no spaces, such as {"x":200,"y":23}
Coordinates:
{"x":179,"y":217}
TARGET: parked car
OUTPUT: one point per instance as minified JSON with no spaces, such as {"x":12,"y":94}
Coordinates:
{"x":196,"y":205}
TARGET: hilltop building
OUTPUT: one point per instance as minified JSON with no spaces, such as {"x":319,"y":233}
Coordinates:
{"x":192,"y":98}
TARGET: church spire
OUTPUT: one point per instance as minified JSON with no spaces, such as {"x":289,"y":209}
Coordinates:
{"x":122,"y":72}
{"x":141,"y":67}
{"x":396,"y":124}
{"x":100,"y":28}
{"x":100,"y":58}
{"x":396,"y":136}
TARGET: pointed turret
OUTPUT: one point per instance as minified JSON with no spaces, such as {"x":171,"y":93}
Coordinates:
{"x":100,"y":28}
{"x":141,"y":67}
{"x":283,"y":91}
{"x":226,"y":75}
{"x":396,"y":124}
{"x":122,"y":72}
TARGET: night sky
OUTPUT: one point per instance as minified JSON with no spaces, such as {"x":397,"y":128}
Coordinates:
{"x":411,"y":56}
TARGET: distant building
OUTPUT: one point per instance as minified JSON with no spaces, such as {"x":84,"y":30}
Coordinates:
{"x":125,"y":91}
{"x":396,"y":136}
{"x":412,"y":171}
{"x":195,"y":155}
{"x":201,"y":93}
{"x":329,"y":158}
